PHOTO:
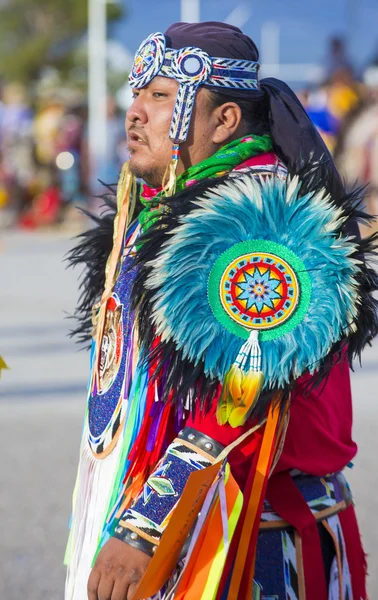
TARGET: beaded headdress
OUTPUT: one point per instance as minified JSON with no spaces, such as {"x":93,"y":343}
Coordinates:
{"x":191,"y":67}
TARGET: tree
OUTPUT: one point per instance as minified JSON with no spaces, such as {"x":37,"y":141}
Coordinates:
{"x":36,"y":33}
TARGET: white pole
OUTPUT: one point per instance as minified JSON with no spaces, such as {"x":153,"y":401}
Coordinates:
{"x":270,"y":48}
{"x":239,"y":16}
{"x":190,"y":11}
{"x":97,"y":92}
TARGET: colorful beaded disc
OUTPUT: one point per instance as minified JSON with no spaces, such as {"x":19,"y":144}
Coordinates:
{"x":259,"y":290}
{"x":191,"y":65}
{"x":148,"y":60}
{"x":111,"y":344}
{"x":261,"y":285}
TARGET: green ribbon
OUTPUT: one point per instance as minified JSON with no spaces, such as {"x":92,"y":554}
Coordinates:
{"x":220,"y":163}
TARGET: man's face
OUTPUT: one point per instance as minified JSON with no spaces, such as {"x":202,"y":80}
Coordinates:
{"x":148,"y":121}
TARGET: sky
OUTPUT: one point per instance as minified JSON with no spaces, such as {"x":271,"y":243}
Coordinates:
{"x":305,"y":25}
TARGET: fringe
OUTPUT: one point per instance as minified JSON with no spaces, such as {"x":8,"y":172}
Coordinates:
{"x":95,"y":480}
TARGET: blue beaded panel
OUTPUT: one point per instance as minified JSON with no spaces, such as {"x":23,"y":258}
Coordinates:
{"x":102,"y":405}
{"x":163,"y":489}
{"x":174,"y":473}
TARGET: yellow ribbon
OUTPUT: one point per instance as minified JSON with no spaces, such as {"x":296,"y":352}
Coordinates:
{"x":3,"y":364}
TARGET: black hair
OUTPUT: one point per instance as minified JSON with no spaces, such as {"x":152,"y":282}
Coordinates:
{"x":255,"y":113}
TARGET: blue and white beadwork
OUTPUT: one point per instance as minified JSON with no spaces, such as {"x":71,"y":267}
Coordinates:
{"x":182,"y":113}
{"x":191,"y":67}
{"x":107,"y":405}
{"x":148,"y":60}
{"x":224,"y":72}
{"x":149,"y":514}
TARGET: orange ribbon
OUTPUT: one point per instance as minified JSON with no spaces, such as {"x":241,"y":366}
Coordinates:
{"x":255,"y":501}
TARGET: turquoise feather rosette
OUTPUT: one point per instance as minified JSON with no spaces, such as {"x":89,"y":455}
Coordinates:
{"x":246,"y":282}
{"x":256,"y":256}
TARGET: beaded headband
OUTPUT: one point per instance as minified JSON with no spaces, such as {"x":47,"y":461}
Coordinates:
{"x":191,"y":67}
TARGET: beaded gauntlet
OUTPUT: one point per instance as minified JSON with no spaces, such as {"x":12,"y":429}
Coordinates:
{"x":143,"y":523}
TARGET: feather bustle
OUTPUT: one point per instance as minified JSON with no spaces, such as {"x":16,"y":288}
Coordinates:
{"x":186,"y":373}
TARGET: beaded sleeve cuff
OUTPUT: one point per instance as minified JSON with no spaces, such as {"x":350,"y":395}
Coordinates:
{"x":143,"y":523}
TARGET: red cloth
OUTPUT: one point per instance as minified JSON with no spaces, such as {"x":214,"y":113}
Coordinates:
{"x":268,"y":158}
{"x":319,"y":435}
{"x":288,"y":502}
{"x":355,"y":552}
{"x":240,"y":458}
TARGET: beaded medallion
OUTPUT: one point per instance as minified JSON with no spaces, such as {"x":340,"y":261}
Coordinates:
{"x":107,"y":404}
{"x":111,"y":345}
{"x":261,"y":285}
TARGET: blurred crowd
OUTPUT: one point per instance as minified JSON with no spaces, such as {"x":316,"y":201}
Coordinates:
{"x":344,"y":108}
{"x":44,"y":165}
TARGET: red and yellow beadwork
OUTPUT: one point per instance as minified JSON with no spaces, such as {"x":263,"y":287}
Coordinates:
{"x":259,"y":290}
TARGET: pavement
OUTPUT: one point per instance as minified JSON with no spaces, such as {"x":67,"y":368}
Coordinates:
{"x":42,"y":401}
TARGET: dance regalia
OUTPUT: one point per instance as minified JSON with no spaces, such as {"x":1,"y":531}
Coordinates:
{"x":143,"y":434}
{"x":226,"y":309}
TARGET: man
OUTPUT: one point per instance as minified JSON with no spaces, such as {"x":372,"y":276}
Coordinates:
{"x":225,"y":303}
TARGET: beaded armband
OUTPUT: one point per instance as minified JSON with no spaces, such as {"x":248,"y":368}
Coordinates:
{"x":143,"y":523}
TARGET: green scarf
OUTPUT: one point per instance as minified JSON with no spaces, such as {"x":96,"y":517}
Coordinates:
{"x":220,"y":163}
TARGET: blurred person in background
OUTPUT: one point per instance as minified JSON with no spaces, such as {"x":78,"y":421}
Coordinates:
{"x":47,"y":128}
{"x":343,"y":93}
{"x":316,"y":103}
{"x":356,"y":152}
{"x":110,"y":169}
{"x":70,"y":160}
{"x":330,"y":103}
{"x":337,"y":58}
{"x":240,"y":288}
{"x":16,"y":150}
{"x":59,"y":147}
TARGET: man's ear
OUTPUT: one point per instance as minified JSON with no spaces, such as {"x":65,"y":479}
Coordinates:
{"x":229,"y":120}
